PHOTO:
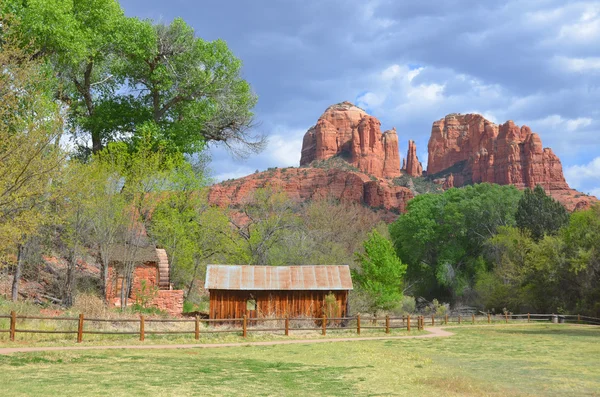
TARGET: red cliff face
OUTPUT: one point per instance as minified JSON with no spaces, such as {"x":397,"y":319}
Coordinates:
{"x":412,"y":166}
{"x":312,"y":183}
{"x":476,"y":150}
{"x":347,"y":131}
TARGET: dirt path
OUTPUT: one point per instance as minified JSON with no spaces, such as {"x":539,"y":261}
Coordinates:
{"x":433,"y":332}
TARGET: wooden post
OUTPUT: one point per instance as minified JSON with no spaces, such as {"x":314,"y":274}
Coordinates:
{"x":244,"y":328}
{"x":324,"y":323}
{"x":408,"y":323}
{"x":387,"y":324}
{"x":433,"y":320}
{"x":473,"y":318}
{"x":358,"y":324}
{"x":287,"y":326}
{"x":506,"y":317}
{"x":578,"y":319}
{"x":13,"y":325}
{"x":459,"y":318}
{"x":489,"y":319}
{"x":446,"y":319}
{"x":80,"y":329}
{"x":529,"y":318}
{"x":142,"y":335}
{"x":197,"y":328}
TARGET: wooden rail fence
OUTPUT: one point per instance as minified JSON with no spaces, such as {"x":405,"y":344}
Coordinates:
{"x":335,"y":323}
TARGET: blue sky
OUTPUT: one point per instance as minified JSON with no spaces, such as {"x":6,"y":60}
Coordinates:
{"x":410,"y":63}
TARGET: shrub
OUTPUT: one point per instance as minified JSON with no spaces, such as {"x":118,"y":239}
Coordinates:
{"x":408,"y":304}
{"x":330,"y":306}
{"x":145,"y":294}
{"x":91,"y":305}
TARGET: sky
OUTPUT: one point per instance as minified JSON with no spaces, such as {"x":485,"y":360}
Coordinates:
{"x":409,"y":64}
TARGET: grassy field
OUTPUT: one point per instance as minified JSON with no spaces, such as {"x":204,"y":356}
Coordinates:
{"x":542,"y":360}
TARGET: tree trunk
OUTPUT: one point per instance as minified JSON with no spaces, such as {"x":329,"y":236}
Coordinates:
{"x":70,"y":283}
{"x":126,"y":284}
{"x":17,"y":275}
{"x":96,"y":142}
{"x":193,"y":278}
{"x":103,"y":274}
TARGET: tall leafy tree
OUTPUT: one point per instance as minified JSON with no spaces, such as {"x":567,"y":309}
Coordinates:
{"x":441,"y":237}
{"x":117,"y":73}
{"x":191,"y":230}
{"x":78,"y":38}
{"x":262,"y":223}
{"x":191,"y":88}
{"x":540,"y":214}
{"x":380,"y":272}
{"x":30,"y":155}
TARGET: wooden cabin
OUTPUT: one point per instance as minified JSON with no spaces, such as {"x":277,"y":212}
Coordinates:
{"x":277,"y":291}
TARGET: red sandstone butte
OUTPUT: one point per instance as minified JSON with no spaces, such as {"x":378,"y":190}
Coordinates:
{"x":412,"y":166}
{"x":347,"y":131}
{"x":314,"y":183}
{"x":476,"y":150}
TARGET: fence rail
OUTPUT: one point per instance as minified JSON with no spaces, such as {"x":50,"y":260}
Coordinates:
{"x":325,"y":324}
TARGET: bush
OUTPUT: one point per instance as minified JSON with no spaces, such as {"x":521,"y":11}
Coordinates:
{"x":359,"y":302}
{"x":91,"y":305}
{"x":437,"y":308}
{"x":145,"y":294}
{"x":330,"y":306}
{"x":408,"y":304}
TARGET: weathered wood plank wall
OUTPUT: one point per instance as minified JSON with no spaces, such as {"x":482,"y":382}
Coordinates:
{"x":233,"y":303}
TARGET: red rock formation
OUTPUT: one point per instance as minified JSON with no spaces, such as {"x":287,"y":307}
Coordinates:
{"x":349,"y":132}
{"x":412,"y":166}
{"x":309,"y":183}
{"x":476,"y":150}
{"x":449,"y":182}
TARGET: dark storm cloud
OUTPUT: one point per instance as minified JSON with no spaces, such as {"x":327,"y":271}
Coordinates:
{"x":409,"y":63}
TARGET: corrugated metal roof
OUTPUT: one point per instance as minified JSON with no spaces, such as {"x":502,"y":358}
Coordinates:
{"x":234,"y":277}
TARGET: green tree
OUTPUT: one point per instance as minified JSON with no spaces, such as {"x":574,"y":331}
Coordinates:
{"x":117,"y":73}
{"x":582,"y":259}
{"x":191,"y":230}
{"x":191,"y":88}
{"x":502,"y":285}
{"x":540,"y":214}
{"x":262,"y":223}
{"x":380,"y":273}
{"x":78,"y":38}
{"x":106,"y":211}
{"x":30,"y":155}
{"x":441,"y":237}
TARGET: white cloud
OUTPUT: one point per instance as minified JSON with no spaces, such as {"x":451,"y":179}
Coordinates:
{"x":587,"y":28}
{"x":578,"y":65}
{"x":556,"y":121}
{"x":426,"y":92}
{"x":285,"y":151}
{"x":579,"y":176}
{"x":397,"y":89}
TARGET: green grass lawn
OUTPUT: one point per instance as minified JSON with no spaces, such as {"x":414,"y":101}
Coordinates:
{"x":542,"y":360}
